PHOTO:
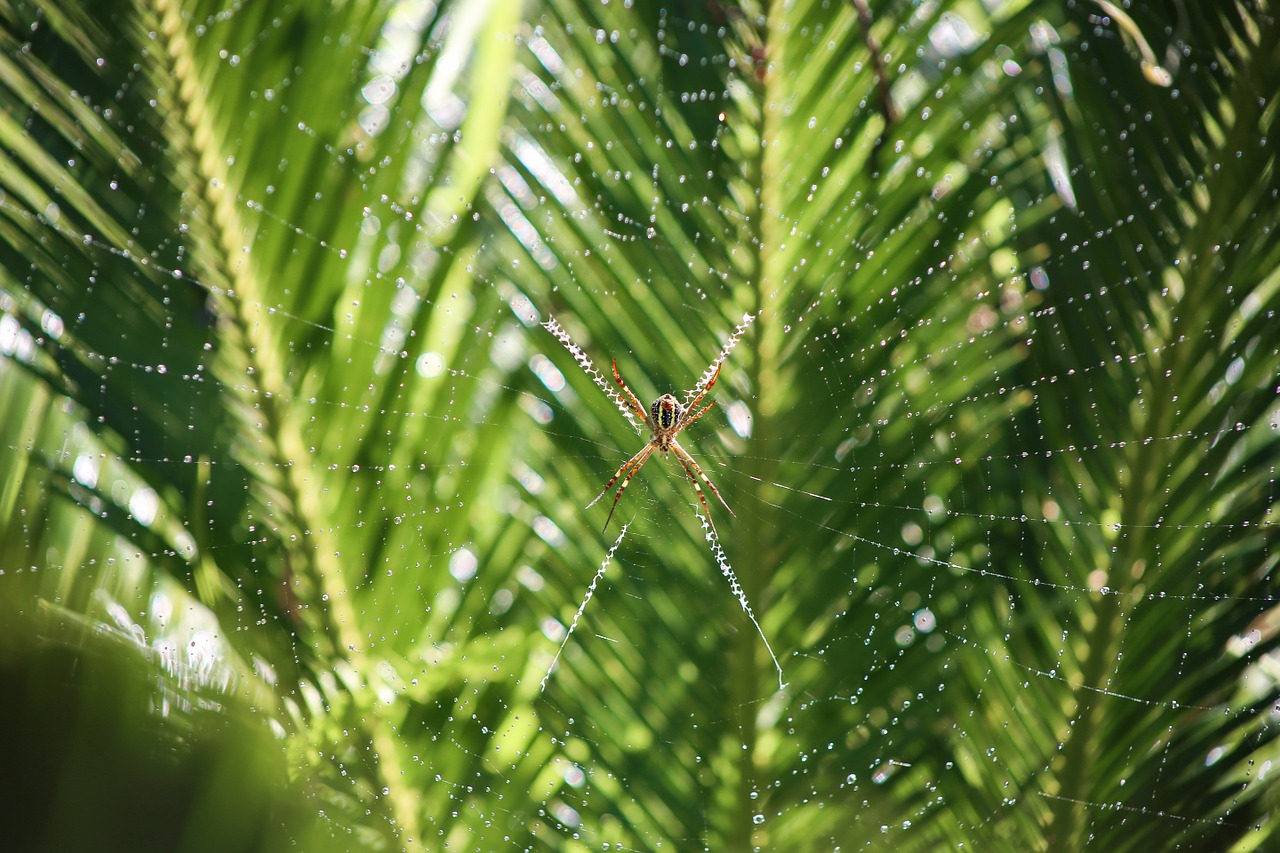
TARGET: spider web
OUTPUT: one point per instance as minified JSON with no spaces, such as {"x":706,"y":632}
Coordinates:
{"x":1000,"y":426}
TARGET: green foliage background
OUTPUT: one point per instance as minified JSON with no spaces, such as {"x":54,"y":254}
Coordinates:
{"x":282,"y":433}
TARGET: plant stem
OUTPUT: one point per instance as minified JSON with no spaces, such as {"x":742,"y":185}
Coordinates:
{"x":1142,"y":493}
{"x":227,"y":271}
{"x":756,"y":544}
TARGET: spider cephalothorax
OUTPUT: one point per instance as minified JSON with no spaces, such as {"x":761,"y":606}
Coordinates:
{"x":665,"y":419}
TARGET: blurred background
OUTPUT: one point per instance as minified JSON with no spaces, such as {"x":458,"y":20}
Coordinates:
{"x":294,"y":482}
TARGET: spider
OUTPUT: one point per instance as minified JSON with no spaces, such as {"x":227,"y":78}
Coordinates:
{"x":666,"y":419}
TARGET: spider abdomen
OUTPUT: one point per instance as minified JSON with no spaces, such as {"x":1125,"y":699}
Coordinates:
{"x":666,"y":412}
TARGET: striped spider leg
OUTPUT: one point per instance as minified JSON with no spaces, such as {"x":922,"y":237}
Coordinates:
{"x":666,"y":419}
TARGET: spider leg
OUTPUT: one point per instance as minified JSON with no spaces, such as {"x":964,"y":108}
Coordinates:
{"x":690,"y":466}
{"x":697,"y":415}
{"x":693,"y":404}
{"x":644,"y":415}
{"x":634,"y":460}
{"x":639,"y":459}
{"x":698,"y":489}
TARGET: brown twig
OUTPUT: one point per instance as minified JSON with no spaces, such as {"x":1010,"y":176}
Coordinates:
{"x":877,"y":67}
